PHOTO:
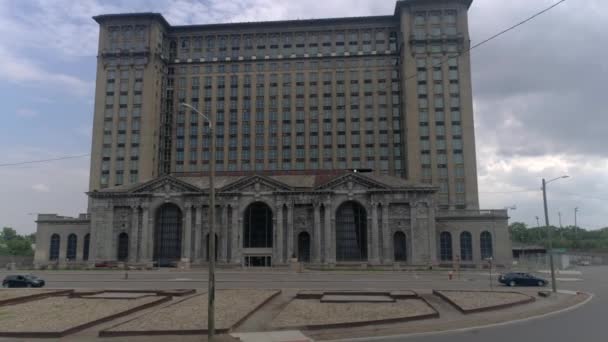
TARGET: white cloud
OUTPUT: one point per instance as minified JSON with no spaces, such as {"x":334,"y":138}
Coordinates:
{"x":21,"y":70}
{"x":26,"y":113}
{"x":41,"y":187}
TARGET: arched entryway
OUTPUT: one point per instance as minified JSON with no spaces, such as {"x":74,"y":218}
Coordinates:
{"x":168,"y":235}
{"x":123,"y":246}
{"x":399,"y":246}
{"x":72,"y":245}
{"x":351,"y":232}
{"x":445,"y":246}
{"x":257,"y":230}
{"x":85,"y":248}
{"x":304,"y":247}
{"x":54,"y":248}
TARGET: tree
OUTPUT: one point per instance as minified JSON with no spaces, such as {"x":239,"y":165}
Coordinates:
{"x":8,"y":234}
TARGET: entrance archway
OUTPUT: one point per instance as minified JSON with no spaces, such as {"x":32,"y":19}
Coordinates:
{"x":123,"y":246}
{"x":257,"y":230}
{"x":304,"y":247}
{"x":351,"y":232}
{"x":168,"y":235}
{"x":399,"y":246}
{"x":207,"y":246}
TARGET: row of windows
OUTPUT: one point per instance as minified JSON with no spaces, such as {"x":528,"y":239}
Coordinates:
{"x":435,"y":17}
{"x":466,"y":246}
{"x":333,"y":64}
{"x":275,"y":39}
{"x":72,"y":247}
{"x":329,"y":164}
{"x":119,"y":178}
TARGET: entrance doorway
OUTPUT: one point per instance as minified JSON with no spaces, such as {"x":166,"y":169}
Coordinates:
{"x":304,"y":247}
{"x":351,"y":232}
{"x":257,"y":230}
{"x":168,"y":235}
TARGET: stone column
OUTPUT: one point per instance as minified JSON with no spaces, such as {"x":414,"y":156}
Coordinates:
{"x":134,"y":235}
{"x":198,"y":227}
{"x":79,"y":247}
{"x":414,"y":259}
{"x":63,"y":248}
{"x":187,"y":236}
{"x":317,"y":233}
{"x":330,"y":236}
{"x":290,"y":229}
{"x":204,"y":232}
{"x":223,"y":232}
{"x":387,"y":246}
{"x":280,"y":229}
{"x":375,"y":241}
{"x":146,"y":235}
{"x":236,"y":232}
{"x":433,"y":235}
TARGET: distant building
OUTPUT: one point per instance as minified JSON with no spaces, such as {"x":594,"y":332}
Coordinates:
{"x":295,"y":104}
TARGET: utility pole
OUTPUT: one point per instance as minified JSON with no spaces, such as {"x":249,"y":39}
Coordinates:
{"x":553,"y":281}
{"x":561,"y":230}
{"x":575,"y":225}
{"x":211,"y":239}
{"x":540,"y":237}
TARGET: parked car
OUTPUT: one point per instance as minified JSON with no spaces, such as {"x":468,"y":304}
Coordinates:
{"x":584,"y":263}
{"x":517,"y":278}
{"x":27,"y":280}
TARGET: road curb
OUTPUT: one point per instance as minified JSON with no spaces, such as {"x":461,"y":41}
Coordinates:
{"x":459,"y":330}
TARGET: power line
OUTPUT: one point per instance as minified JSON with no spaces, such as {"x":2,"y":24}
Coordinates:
{"x":507,"y":192}
{"x":494,"y":36}
{"x":46,"y":160}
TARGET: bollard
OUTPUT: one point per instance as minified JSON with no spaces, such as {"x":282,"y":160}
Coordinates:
{"x":450,"y":275}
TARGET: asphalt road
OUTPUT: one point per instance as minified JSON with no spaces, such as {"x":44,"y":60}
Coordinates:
{"x":260,"y":278}
{"x":583,"y":324}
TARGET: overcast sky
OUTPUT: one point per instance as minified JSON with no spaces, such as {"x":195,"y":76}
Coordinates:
{"x":537,"y":92}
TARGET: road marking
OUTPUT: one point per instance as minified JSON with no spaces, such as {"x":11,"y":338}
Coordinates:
{"x":182,"y":279}
{"x":569,"y":279}
{"x":428,"y":333}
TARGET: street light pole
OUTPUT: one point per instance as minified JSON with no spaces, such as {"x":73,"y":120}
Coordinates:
{"x":575,"y":225}
{"x":553,"y":281}
{"x":211,"y":238}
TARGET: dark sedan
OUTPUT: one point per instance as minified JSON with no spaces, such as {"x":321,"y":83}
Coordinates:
{"x":518,"y":279}
{"x":22,"y":281}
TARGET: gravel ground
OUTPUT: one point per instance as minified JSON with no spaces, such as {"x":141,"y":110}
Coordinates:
{"x":191,"y":314}
{"x":61,"y":313}
{"x":15,"y":293}
{"x":469,"y":300}
{"x":306,"y":312}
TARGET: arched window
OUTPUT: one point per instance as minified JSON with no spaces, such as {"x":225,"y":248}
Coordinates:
{"x":54,"y":250}
{"x":485,"y":244}
{"x":123,"y":246}
{"x":351,"y":232}
{"x":85,"y":248}
{"x":72,"y":243}
{"x":304,"y":247}
{"x":466,"y":246}
{"x":258,"y":226}
{"x":445,"y":246}
{"x":399,"y":246}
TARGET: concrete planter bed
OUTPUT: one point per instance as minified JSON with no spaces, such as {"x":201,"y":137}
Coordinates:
{"x":356,"y":308}
{"x":16,"y":296}
{"x":188,"y":316}
{"x":170,"y":293}
{"x":477,"y":301}
{"x":56,"y":317}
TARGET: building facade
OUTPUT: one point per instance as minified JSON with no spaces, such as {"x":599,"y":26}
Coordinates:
{"x":290,"y":101}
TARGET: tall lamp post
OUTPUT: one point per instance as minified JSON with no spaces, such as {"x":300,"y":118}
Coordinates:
{"x":211,"y":239}
{"x":575,"y":226}
{"x":553,"y":284}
